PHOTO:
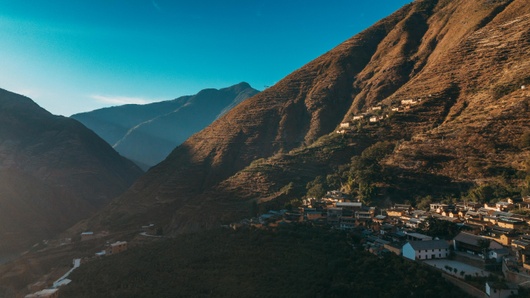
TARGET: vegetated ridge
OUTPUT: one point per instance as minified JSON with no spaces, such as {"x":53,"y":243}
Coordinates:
{"x":146,"y":134}
{"x":461,"y":65}
{"x":292,"y":262}
{"x":53,"y":172}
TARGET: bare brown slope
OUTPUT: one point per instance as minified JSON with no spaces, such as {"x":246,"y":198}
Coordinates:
{"x":53,"y":172}
{"x":481,"y":132}
{"x":427,"y":48}
{"x":302,"y":107}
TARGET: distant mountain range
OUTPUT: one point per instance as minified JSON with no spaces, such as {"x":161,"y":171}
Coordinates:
{"x":146,"y":134}
{"x":448,"y":76}
{"x":53,"y":173}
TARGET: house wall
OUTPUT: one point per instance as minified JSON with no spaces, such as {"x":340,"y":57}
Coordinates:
{"x":313,"y":216}
{"x":499,"y":293}
{"x":505,"y":240}
{"x":410,"y":253}
{"x":117,"y":248}
{"x":432,"y":254}
{"x":394,"y":213}
{"x":393,"y":249}
{"x":515,"y":277}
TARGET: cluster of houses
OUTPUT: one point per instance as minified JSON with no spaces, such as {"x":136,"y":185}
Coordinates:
{"x":490,"y":233}
{"x":377,"y":113}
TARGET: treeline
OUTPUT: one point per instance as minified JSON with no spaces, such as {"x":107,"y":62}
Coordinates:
{"x":295,"y":261}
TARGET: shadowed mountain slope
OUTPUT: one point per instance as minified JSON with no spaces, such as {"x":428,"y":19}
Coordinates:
{"x":461,"y":62}
{"x":53,"y":172}
{"x":146,"y":134}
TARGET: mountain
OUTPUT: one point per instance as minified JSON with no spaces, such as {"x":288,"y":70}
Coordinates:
{"x":53,"y":172}
{"x":162,"y":125}
{"x":454,"y":70}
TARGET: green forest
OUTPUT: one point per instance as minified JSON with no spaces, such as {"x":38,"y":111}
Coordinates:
{"x":293,"y":261}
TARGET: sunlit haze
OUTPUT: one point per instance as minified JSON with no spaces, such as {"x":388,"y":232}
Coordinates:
{"x":75,"y":56}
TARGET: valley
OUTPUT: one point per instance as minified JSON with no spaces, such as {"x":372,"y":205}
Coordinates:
{"x":413,"y":129}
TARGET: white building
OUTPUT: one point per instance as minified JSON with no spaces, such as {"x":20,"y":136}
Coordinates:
{"x":425,"y":250}
{"x":408,"y":102}
{"x":48,"y":293}
{"x":500,"y":290}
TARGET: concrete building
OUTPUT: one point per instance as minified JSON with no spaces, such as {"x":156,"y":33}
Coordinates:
{"x":474,"y":244}
{"x":116,"y":247}
{"x":500,"y":290}
{"x":425,"y":250}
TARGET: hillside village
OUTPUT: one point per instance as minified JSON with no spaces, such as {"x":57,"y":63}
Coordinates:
{"x":467,"y":241}
{"x":471,"y":243}
{"x":378,"y":113}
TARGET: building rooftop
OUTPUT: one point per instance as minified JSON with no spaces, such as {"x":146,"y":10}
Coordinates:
{"x":474,"y":240}
{"x":419,"y":236}
{"x":349,"y":204}
{"x":429,"y":244}
{"x":118,"y":243}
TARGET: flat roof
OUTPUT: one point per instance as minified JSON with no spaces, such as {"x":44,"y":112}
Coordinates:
{"x":419,"y":236}
{"x":118,"y":243}
{"x":349,"y":204}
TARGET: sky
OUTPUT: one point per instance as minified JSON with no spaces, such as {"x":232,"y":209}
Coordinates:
{"x":76,"y":56}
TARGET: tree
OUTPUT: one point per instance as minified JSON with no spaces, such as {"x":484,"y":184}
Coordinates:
{"x":438,"y":228}
{"x":366,"y":193}
{"x":315,"y":188}
{"x":333,"y":180}
{"x":378,"y":151}
{"x":425,"y":203}
{"x":292,"y":204}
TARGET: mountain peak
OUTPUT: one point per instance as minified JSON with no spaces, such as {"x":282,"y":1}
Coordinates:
{"x":447,"y":75}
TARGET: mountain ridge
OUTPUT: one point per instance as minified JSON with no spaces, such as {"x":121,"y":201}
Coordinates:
{"x":162,"y":125}
{"x":429,"y":51}
{"x":53,"y":172}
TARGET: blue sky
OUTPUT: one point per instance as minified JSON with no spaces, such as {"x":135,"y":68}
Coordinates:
{"x":74,"y":56}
